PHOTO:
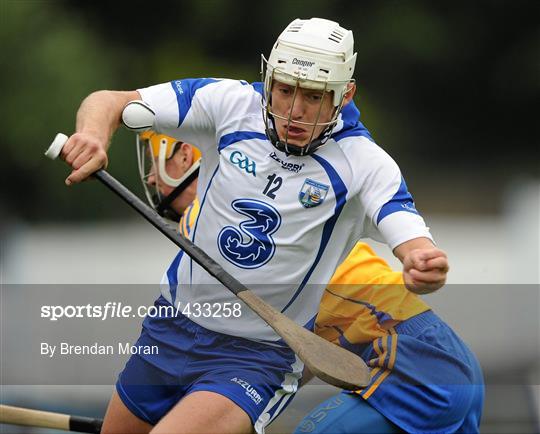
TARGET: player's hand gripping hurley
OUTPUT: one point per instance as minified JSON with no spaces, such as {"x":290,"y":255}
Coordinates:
{"x":325,"y":360}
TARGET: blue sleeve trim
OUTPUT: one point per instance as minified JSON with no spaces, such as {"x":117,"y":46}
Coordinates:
{"x":340,"y":190}
{"x":229,"y":139}
{"x":358,"y":131}
{"x":401,"y":201}
{"x":185,"y":90}
{"x":258,"y":86}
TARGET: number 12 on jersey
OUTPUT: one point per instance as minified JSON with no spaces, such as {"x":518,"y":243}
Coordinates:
{"x":274,"y":184}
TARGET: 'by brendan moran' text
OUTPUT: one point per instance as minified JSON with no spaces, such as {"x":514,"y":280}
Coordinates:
{"x":67,"y":349}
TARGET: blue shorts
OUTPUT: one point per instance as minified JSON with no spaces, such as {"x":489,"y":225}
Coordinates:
{"x":259,"y":378}
{"x":424,"y":379}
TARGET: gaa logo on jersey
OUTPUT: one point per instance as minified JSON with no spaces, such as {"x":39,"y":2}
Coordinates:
{"x":312,"y":193}
{"x":243,"y":162}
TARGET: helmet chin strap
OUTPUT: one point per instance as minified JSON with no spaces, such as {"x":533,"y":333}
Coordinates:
{"x":164,"y":208}
{"x":289,"y":148}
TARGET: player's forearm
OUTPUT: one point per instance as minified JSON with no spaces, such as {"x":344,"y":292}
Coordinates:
{"x":100,"y":113}
{"x":97,"y":119}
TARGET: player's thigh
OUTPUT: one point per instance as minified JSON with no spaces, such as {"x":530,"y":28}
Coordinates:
{"x":345,"y":413}
{"x":204,"y":412}
{"x":119,"y":420}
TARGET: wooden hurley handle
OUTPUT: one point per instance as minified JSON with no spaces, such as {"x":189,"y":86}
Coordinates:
{"x":46,"y":419}
{"x":28,"y":417}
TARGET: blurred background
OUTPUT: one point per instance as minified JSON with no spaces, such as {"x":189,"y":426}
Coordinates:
{"x":451,"y":89}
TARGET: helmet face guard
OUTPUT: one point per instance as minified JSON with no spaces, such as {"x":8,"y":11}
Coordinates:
{"x":315,"y":55}
{"x":272,"y":75}
{"x":153,"y":151}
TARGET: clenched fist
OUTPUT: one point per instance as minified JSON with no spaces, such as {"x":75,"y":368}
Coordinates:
{"x":425,"y":270}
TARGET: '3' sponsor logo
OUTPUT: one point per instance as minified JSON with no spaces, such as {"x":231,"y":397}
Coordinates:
{"x":250,"y":244}
{"x":243,"y":162}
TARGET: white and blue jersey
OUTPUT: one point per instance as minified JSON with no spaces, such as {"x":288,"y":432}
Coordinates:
{"x":270,"y":218}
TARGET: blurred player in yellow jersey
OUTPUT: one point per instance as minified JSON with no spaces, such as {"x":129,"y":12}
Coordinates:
{"x":177,"y":164}
{"x":423,"y":377}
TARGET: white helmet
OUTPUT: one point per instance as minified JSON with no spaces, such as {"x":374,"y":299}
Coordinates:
{"x":313,"y":54}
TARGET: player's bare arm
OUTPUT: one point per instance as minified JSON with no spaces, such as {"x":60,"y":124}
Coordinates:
{"x":424,"y":266}
{"x":97,"y":119}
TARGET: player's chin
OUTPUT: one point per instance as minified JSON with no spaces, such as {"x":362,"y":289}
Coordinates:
{"x":295,"y":139}
{"x":299,"y":143}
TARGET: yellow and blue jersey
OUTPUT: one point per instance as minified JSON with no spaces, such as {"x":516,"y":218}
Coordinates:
{"x":419,"y":367}
{"x":363,"y":294}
